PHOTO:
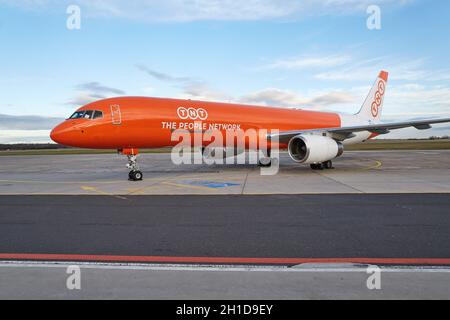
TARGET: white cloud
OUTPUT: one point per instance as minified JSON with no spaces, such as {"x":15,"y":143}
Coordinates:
{"x":419,"y":100}
{"x":83,"y":98}
{"x":99,"y":88}
{"x":14,"y":122}
{"x":399,"y":70}
{"x":199,"y":90}
{"x":195,"y":10}
{"x":25,"y":136}
{"x":92,"y":91}
{"x":204,"y":92}
{"x":287,"y":98}
{"x":305,"y":62}
{"x":349,"y":67}
{"x":274,"y":97}
{"x":406,"y":101}
{"x":161,"y":76}
{"x":191,"y":88}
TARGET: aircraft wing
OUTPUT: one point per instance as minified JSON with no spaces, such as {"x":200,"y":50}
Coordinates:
{"x":342,"y":133}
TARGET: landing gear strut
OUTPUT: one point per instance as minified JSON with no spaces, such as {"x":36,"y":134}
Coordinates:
{"x":135,"y":174}
{"x":322,"y":165}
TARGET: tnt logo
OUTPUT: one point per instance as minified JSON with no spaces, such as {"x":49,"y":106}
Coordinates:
{"x":378,"y":99}
{"x":192,"y":113}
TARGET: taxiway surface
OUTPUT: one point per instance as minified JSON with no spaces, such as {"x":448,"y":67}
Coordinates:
{"x":355,"y":172}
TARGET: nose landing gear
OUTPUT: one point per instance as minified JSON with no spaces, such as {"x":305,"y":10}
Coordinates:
{"x":135,"y":174}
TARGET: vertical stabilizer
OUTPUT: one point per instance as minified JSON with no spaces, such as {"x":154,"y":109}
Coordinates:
{"x":373,"y":105}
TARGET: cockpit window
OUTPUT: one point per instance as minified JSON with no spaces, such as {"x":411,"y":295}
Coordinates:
{"x":77,"y":115}
{"x":87,"y":114}
{"x":98,"y":114}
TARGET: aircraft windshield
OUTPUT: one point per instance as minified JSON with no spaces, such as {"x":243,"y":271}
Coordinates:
{"x":87,"y":114}
{"x":77,"y":115}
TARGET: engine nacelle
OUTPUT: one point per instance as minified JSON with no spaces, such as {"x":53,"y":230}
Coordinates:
{"x":309,"y":149}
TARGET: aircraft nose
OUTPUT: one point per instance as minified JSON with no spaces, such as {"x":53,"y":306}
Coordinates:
{"x":62,"y":134}
{"x":56,"y":135}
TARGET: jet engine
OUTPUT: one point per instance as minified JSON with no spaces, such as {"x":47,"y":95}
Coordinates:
{"x":311,"y":149}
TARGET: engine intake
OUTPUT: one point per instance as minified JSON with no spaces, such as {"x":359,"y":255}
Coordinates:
{"x":309,"y":149}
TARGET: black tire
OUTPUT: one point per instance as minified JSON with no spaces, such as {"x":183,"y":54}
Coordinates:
{"x":317,"y":166}
{"x":260,"y":164}
{"x":328,"y":164}
{"x":137,"y":175}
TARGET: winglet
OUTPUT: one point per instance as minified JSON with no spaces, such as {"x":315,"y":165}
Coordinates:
{"x":384,"y":75}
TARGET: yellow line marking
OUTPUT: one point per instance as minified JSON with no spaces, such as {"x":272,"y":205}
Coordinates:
{"x":377,"y":165}
{"x":186,"y":186}
{"x":77,"y":182}
{"x":59,"y":182}
{"x":96,"y":190}
{"x":88,"y":188}
{"x":247,"y":193}
{"x":140,"y":190}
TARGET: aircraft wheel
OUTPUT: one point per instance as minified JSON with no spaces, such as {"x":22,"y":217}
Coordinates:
{"x":328,"y":164}
{"x":317,"y":166}
{"x":265,"y":162}
{"x":135,"y":175}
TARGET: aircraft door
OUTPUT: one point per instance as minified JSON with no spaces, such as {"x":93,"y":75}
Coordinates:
{"x":116,"y":116}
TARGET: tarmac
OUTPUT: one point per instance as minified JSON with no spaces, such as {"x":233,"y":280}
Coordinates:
{"x":229,"y":229}
{"x":354,"y":173}
{"x":225,"y":231}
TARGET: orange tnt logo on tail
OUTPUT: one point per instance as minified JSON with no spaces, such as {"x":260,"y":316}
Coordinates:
{"x":378,"y":98}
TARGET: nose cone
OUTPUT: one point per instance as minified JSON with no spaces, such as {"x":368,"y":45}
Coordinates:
{"x":63,"y":134}
{"x":55,"y":135}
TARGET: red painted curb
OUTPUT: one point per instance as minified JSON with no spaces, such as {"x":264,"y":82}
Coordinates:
{"x":220,"y":260}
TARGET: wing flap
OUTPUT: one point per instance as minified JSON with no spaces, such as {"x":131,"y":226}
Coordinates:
{"x":422,"y":126}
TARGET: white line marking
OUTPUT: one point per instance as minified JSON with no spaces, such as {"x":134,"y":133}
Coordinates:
{"x":220,"y":268}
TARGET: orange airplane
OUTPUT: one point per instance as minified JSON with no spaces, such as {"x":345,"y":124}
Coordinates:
{"x":130,"y":123}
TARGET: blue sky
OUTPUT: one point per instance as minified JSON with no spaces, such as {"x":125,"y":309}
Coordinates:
{"x":312,"y":54}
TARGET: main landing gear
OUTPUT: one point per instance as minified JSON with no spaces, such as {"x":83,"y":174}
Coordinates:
{"x":265,"y":161}
{"x":322,"y":165}
{"x":135,"y":174}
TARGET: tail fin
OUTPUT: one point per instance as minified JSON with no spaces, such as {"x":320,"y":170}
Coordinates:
{"x":373,"y":105}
